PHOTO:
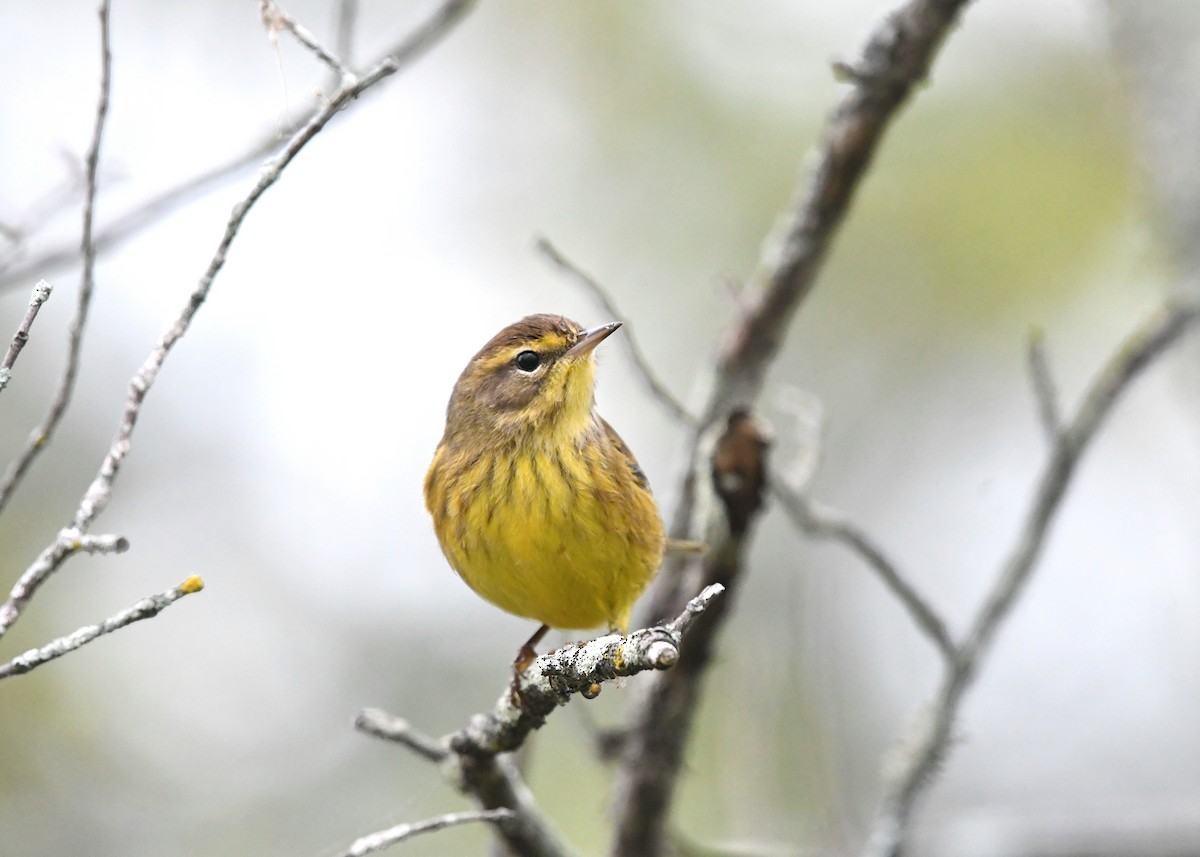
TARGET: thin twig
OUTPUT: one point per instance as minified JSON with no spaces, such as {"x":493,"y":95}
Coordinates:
{"x":827,"y":524}
{"x":69,"y":542}
{"x":1044,"y":392}
{"x":147,"y":608}
{"x":645,"y":371}
{"x":41,"y":293}
{"x":275,"y":19}
{"x":927,"y":749}
{"x":45,"y":430}
{"x":373,"y":842}
{"x":99,"y":492}
{"x":150,"y":211}
{"x":389,"y":727}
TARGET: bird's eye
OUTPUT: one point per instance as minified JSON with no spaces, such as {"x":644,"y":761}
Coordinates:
{"x":527,"y":361}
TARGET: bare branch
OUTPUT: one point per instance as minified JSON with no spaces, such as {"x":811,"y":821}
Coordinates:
{"x":896,"y":58}
{"x":389,"y":727}
{"x":827,"y":524}
{"x":98,"y":493}
{"x":41,"y":293}
{"x":395,"y":835}
{"x":151,"y":210}
{"x":931,"y":741}
{"x":473,"y":759}
{"x":147,"y":608}
{"x":45,"y":430}
{"x":645,"y":371}
{"x":552,"y":679}
{"x":1044,"y":392}
{"x":275,"y":19}
{"x":68,"y":543}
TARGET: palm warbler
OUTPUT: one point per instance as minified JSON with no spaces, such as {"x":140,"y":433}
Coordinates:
{"x":537,"y":503}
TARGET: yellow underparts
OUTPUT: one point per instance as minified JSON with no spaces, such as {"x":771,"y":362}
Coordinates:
{"x":559,"y":531}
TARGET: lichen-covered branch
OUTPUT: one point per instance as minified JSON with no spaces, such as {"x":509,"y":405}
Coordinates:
{"x":473,"y":758}
{"x":927,"y":748}
{"x":577,"y":668}
{"x":147,"y":608}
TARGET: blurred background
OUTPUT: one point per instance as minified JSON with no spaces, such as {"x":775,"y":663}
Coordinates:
{"x":1045,"y":178}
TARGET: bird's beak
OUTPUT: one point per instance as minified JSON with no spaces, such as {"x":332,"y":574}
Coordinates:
{"x":592,"y":337}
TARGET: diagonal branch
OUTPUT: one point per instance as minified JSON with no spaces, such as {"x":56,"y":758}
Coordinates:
{"x":147,"y":608}
{"x":144,"y":214}
{"x":933,"y":733}
{"x":45,"y":430}
{"x":373,"y":842}
{"x":823,"y":523}
{"x":98,"y":493}
{"x":41,"y":294}
{"x":645,"y":371}
{"x":473,"y":757}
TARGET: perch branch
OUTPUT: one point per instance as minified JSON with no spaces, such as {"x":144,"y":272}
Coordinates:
{"x":552,"y":679}
{"x":472,"y":758}
{"x":925,"y":752}
{"x":45,"y":430}
{"x":147,"y":608}
{"x":373,"y":842}
{"x":645,"y":371}
{"x":826,"y":524}
{"x":41,"y":293}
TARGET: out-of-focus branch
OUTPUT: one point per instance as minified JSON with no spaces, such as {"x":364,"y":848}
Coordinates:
{"x":74,"y":539}
{"x":41,"y":293}
{"x":1044,"y":392}
{"x":826,"y":524}
{"x":896,"y":58}
{"x":144,"y":214}
{"x":645,"y":371}
{"x":274,"y":19}
{"x":927,"y":749}
{"x":373,"y":842}
{"x":147,"y":608}
{"x":472,"y":756}
{"x":45,"y":430}
{"x":68,"y":543}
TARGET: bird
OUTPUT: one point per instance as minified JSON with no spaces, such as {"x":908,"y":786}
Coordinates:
{"x":537,"y":502}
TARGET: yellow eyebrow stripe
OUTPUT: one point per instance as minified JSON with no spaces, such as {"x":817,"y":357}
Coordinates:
{"x":549,"y":342}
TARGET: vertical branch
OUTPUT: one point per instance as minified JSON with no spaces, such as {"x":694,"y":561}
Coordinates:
{"x":66,"y":387}
{"x":896,"y":58}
